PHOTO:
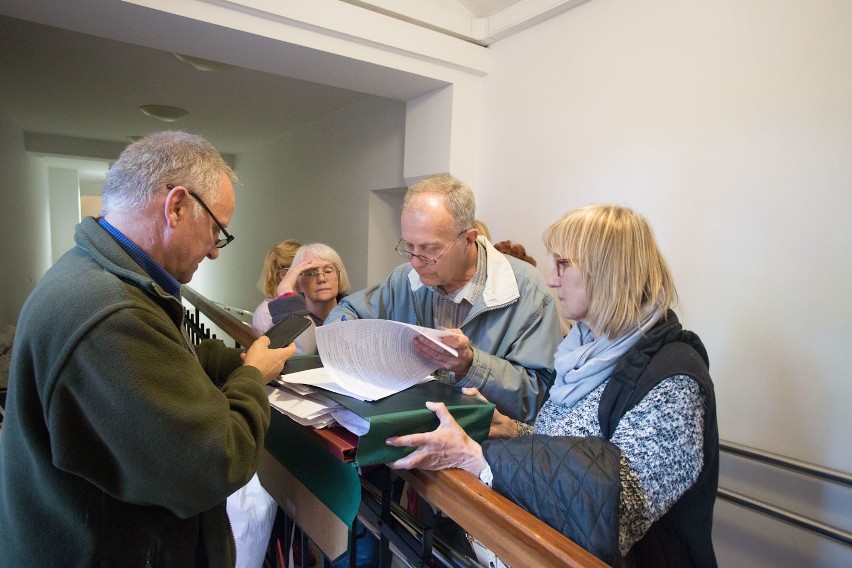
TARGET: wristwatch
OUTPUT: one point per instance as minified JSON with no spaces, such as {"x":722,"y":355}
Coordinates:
{"x":485,"y":476}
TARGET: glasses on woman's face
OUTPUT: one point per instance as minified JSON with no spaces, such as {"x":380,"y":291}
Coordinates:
{"x":327,"y":272}
{"x":560,"y":264}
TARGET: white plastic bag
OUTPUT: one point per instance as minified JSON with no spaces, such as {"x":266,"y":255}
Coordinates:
{"x":251,"y":511}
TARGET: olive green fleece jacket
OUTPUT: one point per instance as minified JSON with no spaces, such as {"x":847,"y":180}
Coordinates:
{"x":120,"y":445}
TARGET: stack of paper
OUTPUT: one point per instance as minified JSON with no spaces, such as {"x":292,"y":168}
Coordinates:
{"x":303,"y":406}
{"x":308,"y":407}
{"x":369,"y":359}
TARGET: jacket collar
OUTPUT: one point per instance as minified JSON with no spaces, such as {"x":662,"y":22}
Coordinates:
{"x":103,"y":249}
{"x":501,"y":286}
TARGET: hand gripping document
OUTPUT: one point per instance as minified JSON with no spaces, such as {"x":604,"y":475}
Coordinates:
{"x":370,"y":359}
{"x":371,"y":368}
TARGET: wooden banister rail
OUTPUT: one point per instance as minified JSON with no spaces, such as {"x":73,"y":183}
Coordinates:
{"x":517,"y":537}
{"x":239,"y":331}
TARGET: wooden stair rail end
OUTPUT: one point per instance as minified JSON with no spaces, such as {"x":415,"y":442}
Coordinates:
{"x":515,"y":536}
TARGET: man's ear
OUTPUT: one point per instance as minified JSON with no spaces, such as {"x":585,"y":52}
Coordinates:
{"x":177,"y":205}
{"x":471,"y":235}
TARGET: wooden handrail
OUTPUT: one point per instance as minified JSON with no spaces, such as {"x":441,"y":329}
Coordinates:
{"x":239,"y":331}
{"x":516,"y":536}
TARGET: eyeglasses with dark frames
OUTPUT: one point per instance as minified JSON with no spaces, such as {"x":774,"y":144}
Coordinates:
{"x":425,"y":259}
{"x":220,"y":242}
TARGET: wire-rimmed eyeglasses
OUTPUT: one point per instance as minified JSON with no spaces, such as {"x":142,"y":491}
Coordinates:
{"x":225,"y":237}
{"x":329,"y":273}
{"x":425,"y":259}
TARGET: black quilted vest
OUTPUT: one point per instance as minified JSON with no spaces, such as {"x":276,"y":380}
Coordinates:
{"x":681,"y":537}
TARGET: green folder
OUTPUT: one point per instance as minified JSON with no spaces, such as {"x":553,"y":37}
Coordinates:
{"x":405,"y":413}
{"x":334,"y":481}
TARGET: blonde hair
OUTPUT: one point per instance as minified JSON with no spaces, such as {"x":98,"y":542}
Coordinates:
{"x":622,"y":267}
{"x":326,"y":254}
{"x":482,"y":228}
{"x":277,"y":259}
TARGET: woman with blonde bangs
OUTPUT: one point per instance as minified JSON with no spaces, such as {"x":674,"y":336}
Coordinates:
{"x":624,"y":453}
{"x":275,"y":267}
{"x":615,"y":250}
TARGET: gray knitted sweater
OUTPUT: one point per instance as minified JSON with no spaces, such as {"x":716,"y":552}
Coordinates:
{"x":661,"y":444}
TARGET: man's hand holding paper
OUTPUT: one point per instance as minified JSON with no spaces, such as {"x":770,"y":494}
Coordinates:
{"x":458,"y":362}
{"x":370,"y":359}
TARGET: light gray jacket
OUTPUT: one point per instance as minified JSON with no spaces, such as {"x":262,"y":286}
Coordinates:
{"x":513,"y":328}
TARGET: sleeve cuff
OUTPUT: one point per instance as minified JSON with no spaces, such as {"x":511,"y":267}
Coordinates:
{"x":476,"y":374}
{"x":486,"y":476}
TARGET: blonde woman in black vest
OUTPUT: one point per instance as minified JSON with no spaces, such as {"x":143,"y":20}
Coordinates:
{"x":625,"y":450}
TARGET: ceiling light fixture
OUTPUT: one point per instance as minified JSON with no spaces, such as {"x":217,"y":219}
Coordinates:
{"x":202,"y":64}
{"x":163,"y":112}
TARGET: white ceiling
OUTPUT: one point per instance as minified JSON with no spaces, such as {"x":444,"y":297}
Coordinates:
{"x":87,"y":84}
{"x":485,"y":8}
{"x":66,"y":83}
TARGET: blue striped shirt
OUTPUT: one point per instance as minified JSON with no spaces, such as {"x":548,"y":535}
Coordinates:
{"x":148,"y":264}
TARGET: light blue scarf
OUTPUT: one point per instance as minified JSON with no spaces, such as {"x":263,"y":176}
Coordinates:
{"x":583,"y":362}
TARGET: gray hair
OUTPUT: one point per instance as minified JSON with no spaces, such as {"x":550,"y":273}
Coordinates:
{"x":147,"y":166}
{"x":458,"y":198}
{"x":326,"y":254}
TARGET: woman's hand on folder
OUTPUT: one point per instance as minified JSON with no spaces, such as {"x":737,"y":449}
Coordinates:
{"x":448,"y":446}
{"x":501,"y":425}
{"x":442,"y":358}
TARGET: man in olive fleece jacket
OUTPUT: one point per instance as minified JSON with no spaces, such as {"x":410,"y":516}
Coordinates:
{"x":120,"y":442}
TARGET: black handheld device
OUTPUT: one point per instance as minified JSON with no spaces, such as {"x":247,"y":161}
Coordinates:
{"x":285,"y":331}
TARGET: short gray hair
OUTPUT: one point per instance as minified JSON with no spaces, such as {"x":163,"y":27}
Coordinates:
{"x":326,"y":254}
{"x":458,"y":198}
{"x":147,"y":166}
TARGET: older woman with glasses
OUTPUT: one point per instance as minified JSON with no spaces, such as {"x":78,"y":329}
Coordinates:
{"x":312,"y":286}
{"x":623,"y":456}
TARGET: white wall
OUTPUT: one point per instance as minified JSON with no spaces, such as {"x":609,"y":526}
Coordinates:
{"x":728,"y":125}
{"x":64,"y":203}
{"x":24,"y":218}
{"x":314,"y":185}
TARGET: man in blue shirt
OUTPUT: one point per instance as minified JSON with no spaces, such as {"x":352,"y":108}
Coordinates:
{"x":122,"y":439}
